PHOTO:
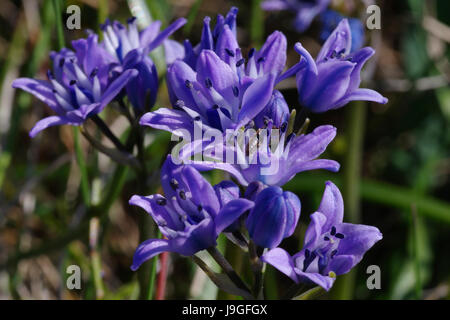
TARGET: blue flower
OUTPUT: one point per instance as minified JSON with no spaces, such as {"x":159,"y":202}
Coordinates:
{"x":78,"y":87}
{"x":191,"y":215}
{"x":274,"y":217}
{"x":129,"y":49}
{"x":276,"y":165}
{"x":331,"y":247}
{"x":306,"y":10}
{"x":215,"y":85}
{"x":330,"y":20}
{"x":333,"y":79}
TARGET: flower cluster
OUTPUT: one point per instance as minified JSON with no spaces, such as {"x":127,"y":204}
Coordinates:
{"x":226,"y":108}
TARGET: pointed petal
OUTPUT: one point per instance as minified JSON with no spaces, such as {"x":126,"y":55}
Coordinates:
{"x":117,"y":85}
{"x":173,"y":51}
{"x":282,"y":261}
{"x":230,"y":212}
{"x":361,"y":95}
{"x":147,"y":250}
{"x":166,"y":33}
{"x":226,"y":43}
{"x":310,"y":146}
{"x":274,"y":53}
{"x":331,"y":206}
{"x":168,"y":119}
{"x":39,"y":88}
{"x":45,"y":123}
{"x":210,"y":66}
{"x":340,"y":40}
{"x":255,"y":98}
{"x":314,"y":230}
{"x":147,"y":35}
{"x":359,"y":57}
{"x":226,"y":191}
{"x":358,"y":239}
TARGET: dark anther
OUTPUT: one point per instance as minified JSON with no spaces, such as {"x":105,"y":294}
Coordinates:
{"x":250,"y":125}
{"x":72,"y":82}
{"x":326,"y":238}
{"x":339,"y":236}
{"x":236,"y":91}
{"x":54,"y":91}
{"x":240,"y":62}
{"x":199,"y":207}
{"x":94,"y":72}
{"x":307,"y":253}
{"x":61,"y":62}
{"x":229,"y":52}
{"x":50,"y":75}
{"x":262,"y":59}
{"x":182,"y":195}
{"x":266,"y":120}
{"x":174,"y":184}
{"x":333,"y":253}
{"x":131,"y":20}
{"x":197,"y":118}
{"x":215,"y":107}
{"x":333,"y":230}
{"x":283,"y":127}
{"x":188,"y":84}
{"x":290,"y":137}
{"x":161,"y":201}
{"x":226,"y":112}
{"x":333,"y":54}
{"x":251,"y":53}
{"x":208,"y":83}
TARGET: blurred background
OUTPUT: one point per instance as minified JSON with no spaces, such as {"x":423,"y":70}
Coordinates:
{"x":395,"y":158}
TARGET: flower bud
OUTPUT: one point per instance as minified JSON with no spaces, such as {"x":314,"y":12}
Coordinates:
{"x":274,"y":216}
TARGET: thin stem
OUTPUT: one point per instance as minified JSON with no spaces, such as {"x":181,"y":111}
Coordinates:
{"x":162,"y":276}
{"x":107,"y":132}
{"x":227,"y":268}
{"x":59,"y":27}
{"x":257,"y":266}
{"x":151,"y":285}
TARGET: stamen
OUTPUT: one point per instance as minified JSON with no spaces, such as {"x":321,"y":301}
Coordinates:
{"x":72,"y":82}
{"x":333,"y":230}
{"x":229,"y":52}
{"x":189,"y":84}
{"x":174,"y":184}
{"x":61,"y":62}
{"x":161,"y":201}
{"x":215,"y":107}
{"x":240,"y":62}
{"x":208,"y":83}
{"x":182,"y":195}
{"x":326,"y":238}
{"x":94,"y":72}
{"x":236,"y":91}
{"x":283,"y":127}
{"x":262,"y":59}
{"x":251,"y":53}
{"x":339,"y":236}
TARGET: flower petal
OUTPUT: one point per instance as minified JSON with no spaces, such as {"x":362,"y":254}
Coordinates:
{"x":45,"y":123}
{"x":148,"y":249}
{"x":255,"y":98}
{"x":314,"y":230}
{"x":339,"y":41}
{"x":230,"y":212}
{"x":166,"y":33}
{"x":358,"y":239}
{"x":331,"y":206}
{"x":274,"y":53}
{"x":167,"y":119}
{"x":117,"y":85}
{"x":39,"y":88}
{"x":282,"y":261}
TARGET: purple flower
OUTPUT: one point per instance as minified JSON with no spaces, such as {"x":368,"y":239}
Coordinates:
{"x":217,"y":86}
{"x":274,"y":217}
{"x":79,"y":85}
{"x":276,"y":166}
{"x":129,"y":49}
{"x":331,"y":247}
{"x":191,"y":214}
{"x":330,"y":20}
{"x":306,"y":10}
{"x":333,"y":79}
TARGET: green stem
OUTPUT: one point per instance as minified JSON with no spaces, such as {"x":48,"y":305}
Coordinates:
{"x":152,"y":280}
{"x":227,"y":268}
{"x":258,"y":270}
{"x":59,"y":26}
{"x":191,"y":16}
{"x":85,"y":189}
{"x":355,"y":115}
